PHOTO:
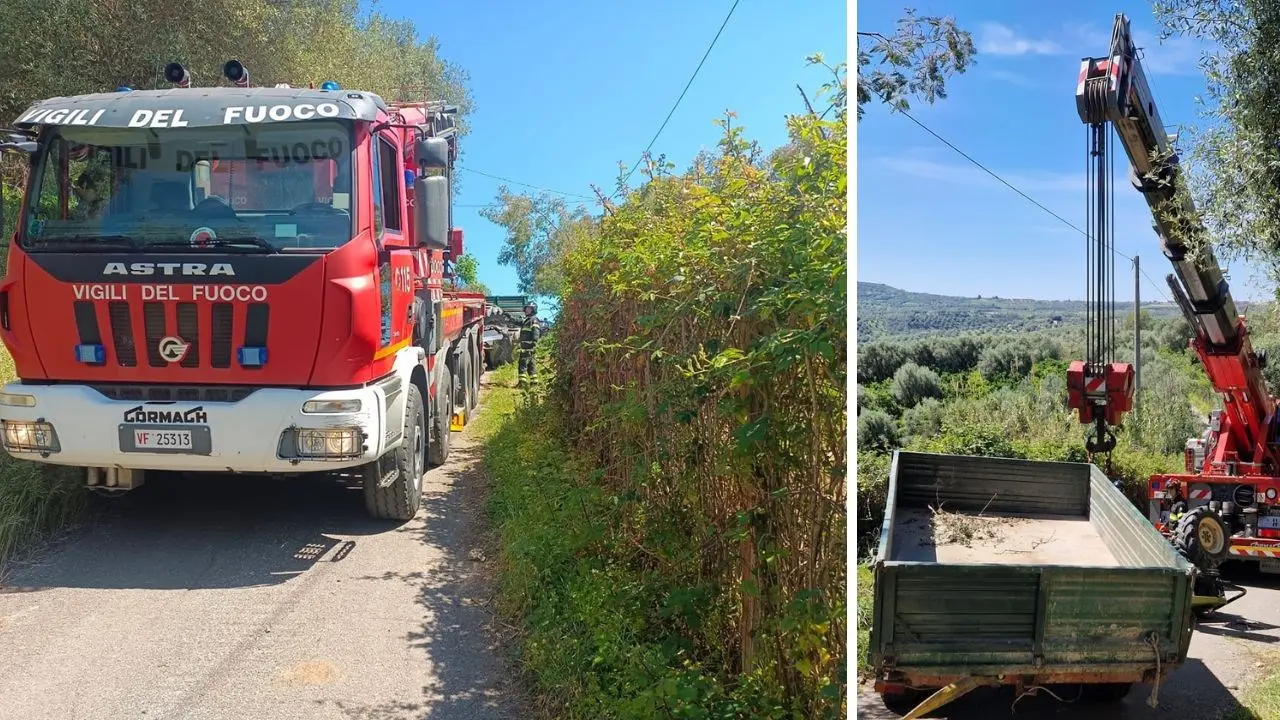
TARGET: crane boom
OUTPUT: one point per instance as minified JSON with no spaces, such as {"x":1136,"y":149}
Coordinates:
{"x":1114,"y":90}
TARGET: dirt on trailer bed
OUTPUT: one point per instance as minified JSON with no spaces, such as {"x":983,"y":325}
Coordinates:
{"x":942,"y":536}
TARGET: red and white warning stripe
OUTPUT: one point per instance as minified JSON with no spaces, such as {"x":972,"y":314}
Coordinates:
{"x":1095,"y":384}
{"x":1200,"y":492}
{"x":1255,"y":551}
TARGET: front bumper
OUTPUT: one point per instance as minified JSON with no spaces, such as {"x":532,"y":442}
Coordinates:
{"x":259,"y":433}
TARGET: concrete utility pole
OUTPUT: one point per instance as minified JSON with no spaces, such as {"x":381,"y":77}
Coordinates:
{"x":1137,"y":334}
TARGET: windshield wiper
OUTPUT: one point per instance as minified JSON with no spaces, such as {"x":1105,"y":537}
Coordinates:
{"x":85,"y":243}
{"x":248,"y":243}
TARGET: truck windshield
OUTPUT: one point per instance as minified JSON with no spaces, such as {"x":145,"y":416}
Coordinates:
{"x":265,"y":187}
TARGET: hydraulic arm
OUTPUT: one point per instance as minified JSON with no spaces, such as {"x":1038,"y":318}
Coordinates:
{"x":1113,"y":91}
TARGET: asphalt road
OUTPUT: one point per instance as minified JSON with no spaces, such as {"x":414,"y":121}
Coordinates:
{"x":1228,"y":652}
{"x":249,"y":598}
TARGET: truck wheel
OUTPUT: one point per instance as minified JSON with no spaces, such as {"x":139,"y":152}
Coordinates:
{"x":1107,"y":692}
{"x":438,"y":449}
{"x":1202,"y":537}
{"x":400,"y":499}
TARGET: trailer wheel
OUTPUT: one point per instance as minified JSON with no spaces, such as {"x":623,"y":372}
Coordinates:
{"x":1202,"y":537}
{"x":901,"y":703}
{"x":1107,"y":692}
{"x":400,"y":499}
{"x":438,"y":450}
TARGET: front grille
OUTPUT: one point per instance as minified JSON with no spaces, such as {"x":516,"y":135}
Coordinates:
{"x":122,"y":334}
{"x":220,"y":356}
{"x":189,"y":327}
{"x":176,"y":393}
{"x":158,"y":320}
{"x":153,"y":321}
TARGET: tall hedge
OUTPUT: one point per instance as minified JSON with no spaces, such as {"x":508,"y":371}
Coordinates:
{"x":701,"y":349}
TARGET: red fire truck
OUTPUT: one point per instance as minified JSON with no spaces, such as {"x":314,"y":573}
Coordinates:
{"x":238,"y":279}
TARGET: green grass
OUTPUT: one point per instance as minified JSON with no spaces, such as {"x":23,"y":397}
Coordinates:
{"x":1260,"y":702}
{"x":35,"y":499}
{"x":866,"y":601}
{"x":499,"y":402}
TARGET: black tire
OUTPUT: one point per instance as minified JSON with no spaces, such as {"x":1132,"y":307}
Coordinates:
{"x":1202,"y":537}
{"x":904,"y":702}
{"x":462,"y":387}
{"x":1106,"y":692}
{"x":401,"y":498}
{"x":441,"y":435}
{"x":476,"y":370}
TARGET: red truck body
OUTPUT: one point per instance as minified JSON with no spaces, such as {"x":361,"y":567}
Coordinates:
{"x":261,"y":290}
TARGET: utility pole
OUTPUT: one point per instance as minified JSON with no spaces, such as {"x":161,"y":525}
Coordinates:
{"x":1137,"y":334}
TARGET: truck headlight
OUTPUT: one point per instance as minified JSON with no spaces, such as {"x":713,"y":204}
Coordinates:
{"x":27,"y":436}
{"x":338,"y":442}
{"x":17,"y":400}
{"x":332,"y":406}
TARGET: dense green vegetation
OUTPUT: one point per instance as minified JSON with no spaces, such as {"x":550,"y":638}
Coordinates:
{"x":1006,"y":396}
{"x":887,"y":312}
{"x":672,"y":500}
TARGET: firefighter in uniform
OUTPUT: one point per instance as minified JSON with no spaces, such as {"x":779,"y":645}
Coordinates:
{"x":530,"y":333}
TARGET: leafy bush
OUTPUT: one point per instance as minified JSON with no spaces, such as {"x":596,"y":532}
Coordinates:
{"x":866,"y":606}
{"x":700,"y":364}
{"x":924,"y":420}
{"x":1165,"y":417}
{"x":879,"y":361}
{"x":974,"y":439}
{"x":955,"y":354}
{"x":912,"y":383}
{"x":1015,"y":358}
{"x":872,"y":490}
{"x":877,"y":431}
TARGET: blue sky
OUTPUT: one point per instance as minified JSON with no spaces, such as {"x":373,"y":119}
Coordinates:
{"x":565,"y":90}
{"x":930,"y":221}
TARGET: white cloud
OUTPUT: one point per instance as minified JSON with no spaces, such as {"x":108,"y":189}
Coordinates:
{"x":998,"y":39}
{"x":971,"y":175}
{"x":1173,"y":56}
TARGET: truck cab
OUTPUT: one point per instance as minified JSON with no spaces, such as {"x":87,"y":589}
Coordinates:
{"x":236,"y":279}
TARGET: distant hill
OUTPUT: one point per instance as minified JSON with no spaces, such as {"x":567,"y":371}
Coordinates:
{"x":885,"y":311}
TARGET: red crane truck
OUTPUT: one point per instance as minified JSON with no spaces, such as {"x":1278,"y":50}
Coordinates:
{"x":238,"y":279}
{"x":1226,"y":505}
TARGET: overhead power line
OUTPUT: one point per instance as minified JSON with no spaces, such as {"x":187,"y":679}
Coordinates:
{"x":1030,"y":199}
{"x":682,"y":94}
{"x":524,"y":184}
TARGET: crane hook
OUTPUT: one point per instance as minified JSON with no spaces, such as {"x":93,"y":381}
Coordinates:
{"x":1101,"y":440}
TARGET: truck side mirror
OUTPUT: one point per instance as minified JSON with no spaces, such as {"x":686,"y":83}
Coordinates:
{"x":455,"y":243}
{"x":24,"y":147}
{"x":433,"y":153}
{"x":431,"y":202}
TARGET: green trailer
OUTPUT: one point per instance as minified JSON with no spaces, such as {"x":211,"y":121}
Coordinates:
{"x":995,"y":571}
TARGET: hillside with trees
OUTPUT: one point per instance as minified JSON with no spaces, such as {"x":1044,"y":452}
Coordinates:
{"x":888,"y":312}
